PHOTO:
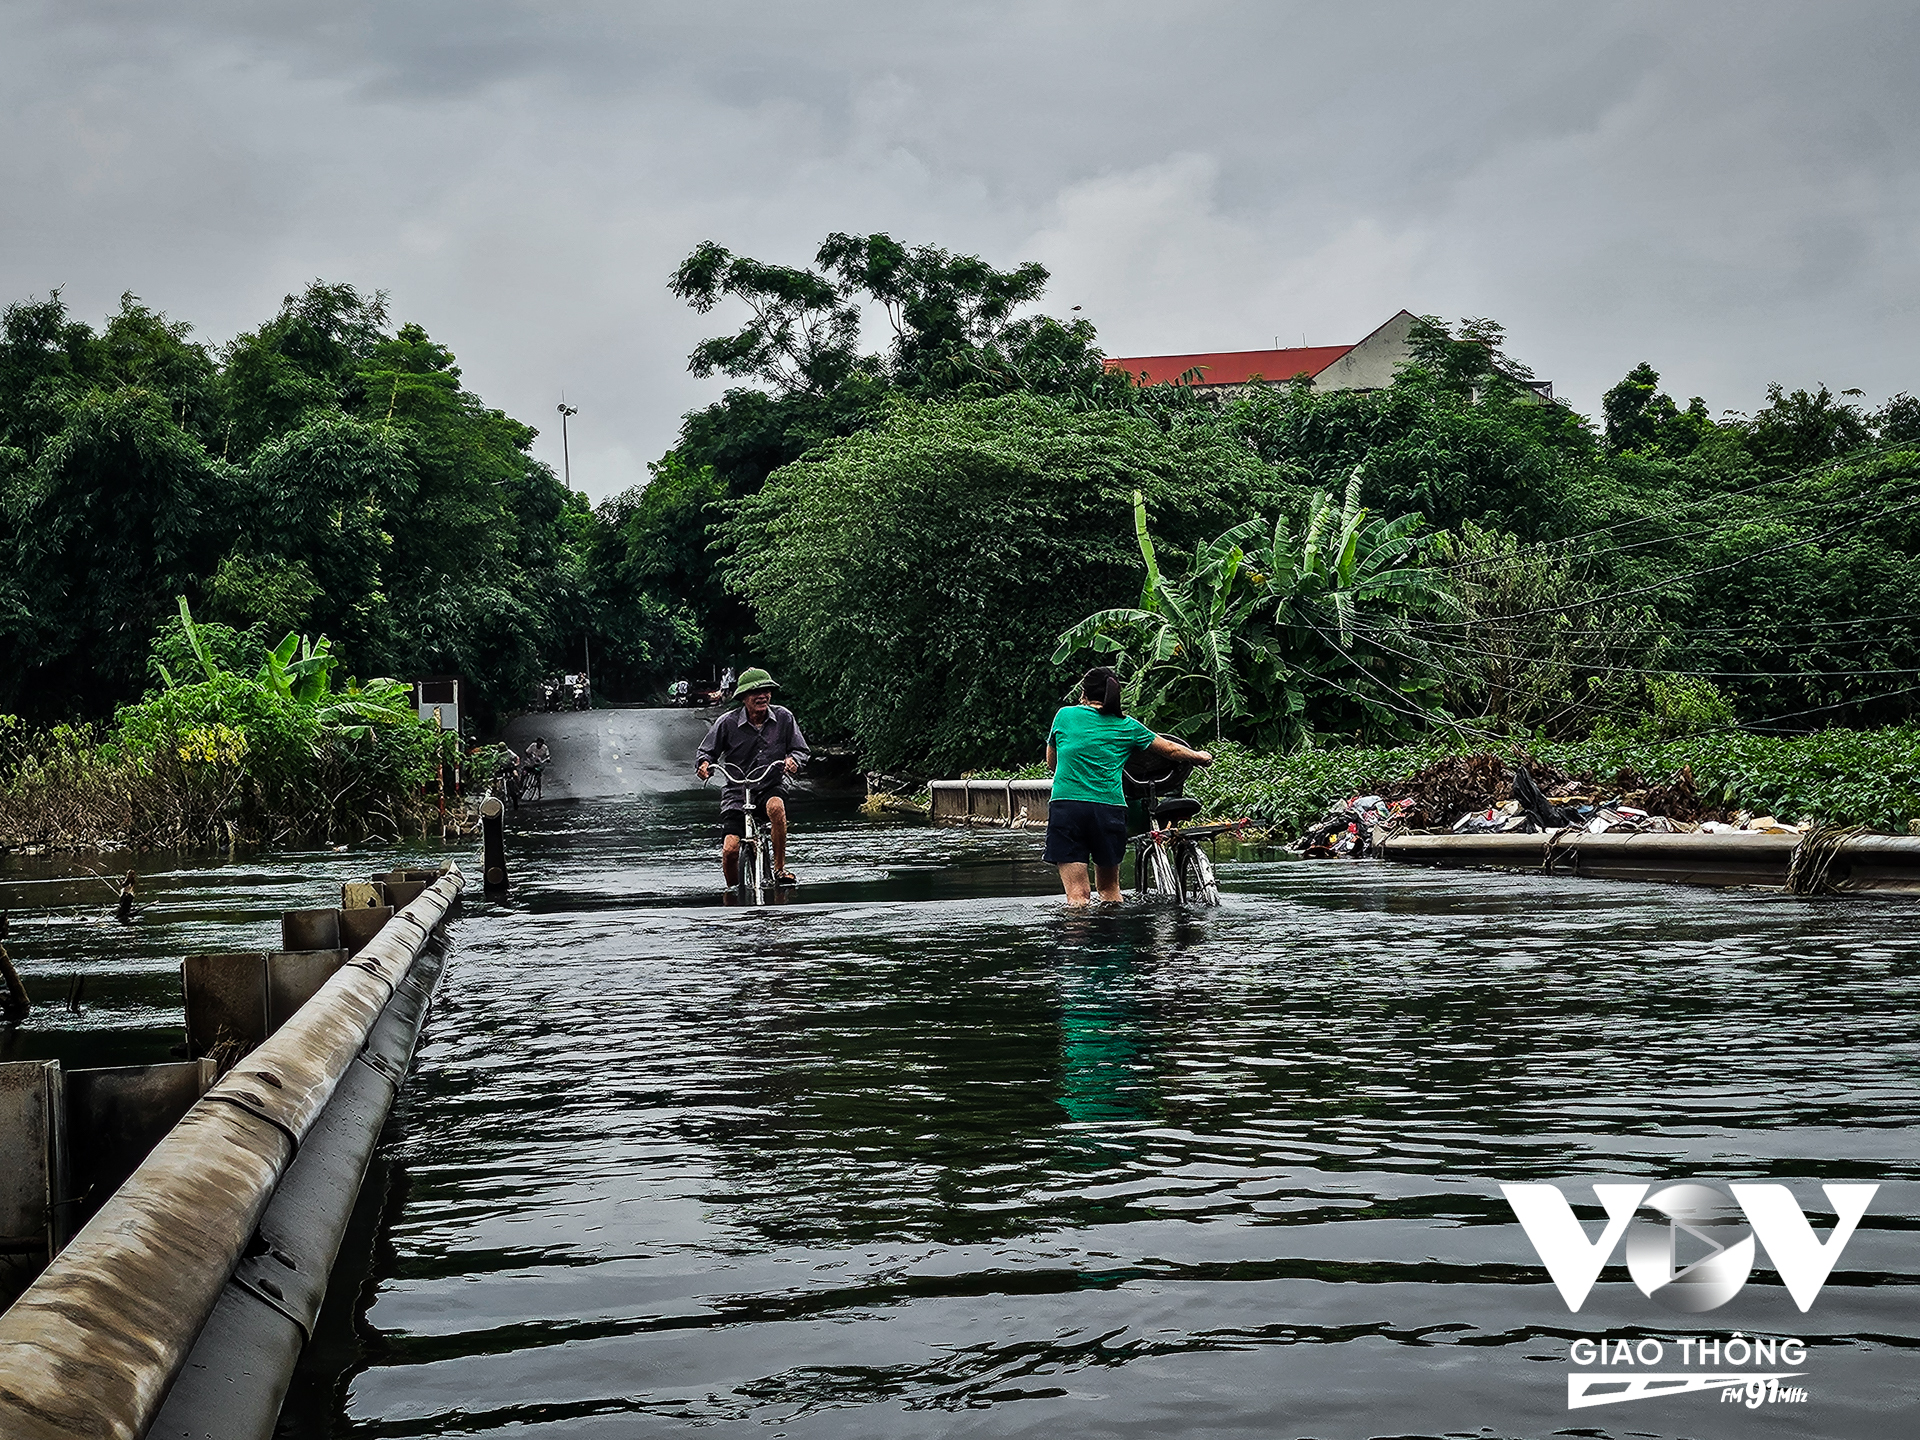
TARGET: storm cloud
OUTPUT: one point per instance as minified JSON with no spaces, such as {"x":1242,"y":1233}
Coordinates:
{"x":1728,"y":191}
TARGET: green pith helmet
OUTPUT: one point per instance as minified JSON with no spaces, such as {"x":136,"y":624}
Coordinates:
{"x":752,"y":680}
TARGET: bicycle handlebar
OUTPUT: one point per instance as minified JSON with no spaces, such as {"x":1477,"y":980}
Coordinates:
{"x":732,"y":775}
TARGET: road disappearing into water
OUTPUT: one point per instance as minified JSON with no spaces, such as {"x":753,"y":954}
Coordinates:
{"x":602,"y":753}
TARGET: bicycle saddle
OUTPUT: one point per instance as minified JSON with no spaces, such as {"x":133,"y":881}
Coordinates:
{"x":1173,"y":811}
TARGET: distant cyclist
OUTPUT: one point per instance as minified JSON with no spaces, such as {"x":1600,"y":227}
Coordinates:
{"x":1087,"y":814}
{"x":757,"y":734}
{"x":535,"y":761}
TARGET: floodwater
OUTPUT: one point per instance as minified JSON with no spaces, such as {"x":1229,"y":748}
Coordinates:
{"x":919,"y":1153}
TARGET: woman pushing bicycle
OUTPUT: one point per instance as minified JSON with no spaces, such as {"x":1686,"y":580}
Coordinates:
{"x":1087,"y":814}
{"x":758,"y":736}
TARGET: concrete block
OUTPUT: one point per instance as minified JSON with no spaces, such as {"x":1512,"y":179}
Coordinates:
{"x":116,"y":1116}
{"x":357,"y":927}
{"x":33,"y":1181}
{"x":226,"y":1000}
{"x":402,"y":893}
{"x":310,"y":930}
{"x":295,"y":977}
{"x":363,"y":895}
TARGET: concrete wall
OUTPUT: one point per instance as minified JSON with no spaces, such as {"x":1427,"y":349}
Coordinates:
{"x":1371,"y":364}
{"x":993,"y":802}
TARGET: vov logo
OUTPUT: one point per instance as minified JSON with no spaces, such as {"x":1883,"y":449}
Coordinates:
{"x":1713,"y":1223}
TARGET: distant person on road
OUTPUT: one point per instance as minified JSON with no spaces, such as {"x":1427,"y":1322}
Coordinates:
{"x":1087,"y":814}
{"x":536,"y":760}
{"x":510,"y":775}
{"x":756,"y":734}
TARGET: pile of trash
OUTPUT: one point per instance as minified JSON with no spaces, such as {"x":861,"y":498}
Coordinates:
{"x":1485,"y":795}
{"x":1354,"y":828}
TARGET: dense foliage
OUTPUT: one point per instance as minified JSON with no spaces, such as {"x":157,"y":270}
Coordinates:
{"x":906,"y":532}
{"x":217,"y":755}
{"x":1263,"y":630}
{"x":324,"y":472}
{"x":916,"y":576}
{"x":1664,"y":574}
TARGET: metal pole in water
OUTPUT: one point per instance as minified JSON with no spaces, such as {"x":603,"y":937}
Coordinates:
{"x":493,"y":831}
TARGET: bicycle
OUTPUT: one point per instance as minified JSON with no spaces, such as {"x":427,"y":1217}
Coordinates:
{"x":510,"y":784}
{"x":757,"y":875}
{"x":1168,"y":859}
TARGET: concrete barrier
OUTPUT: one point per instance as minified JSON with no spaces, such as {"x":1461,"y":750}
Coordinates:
{"x":95,"y":1344}
{"x":989,"y":802}
{"x":1853,"y":864}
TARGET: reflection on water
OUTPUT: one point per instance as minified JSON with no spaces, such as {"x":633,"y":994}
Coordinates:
{"x":922,"y":1153}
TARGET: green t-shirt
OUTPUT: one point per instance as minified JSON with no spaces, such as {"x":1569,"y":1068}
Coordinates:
{"x":1089,"y":749}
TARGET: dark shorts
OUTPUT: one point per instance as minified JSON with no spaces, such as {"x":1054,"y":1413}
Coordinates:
{"x":1079,"y":828}
{"x":734,"y":822}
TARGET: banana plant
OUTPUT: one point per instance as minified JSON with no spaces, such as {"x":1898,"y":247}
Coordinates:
{"x":1275,"y":627}
{"x":300,"y":670}
{"x":1183,"y":632}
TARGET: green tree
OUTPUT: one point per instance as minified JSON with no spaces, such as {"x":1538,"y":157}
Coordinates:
{"x":1641,"y":419}
{"x":1801,"y":429}
{"x":300,"y":364}
{"x":120,"y":510}
{"x":912,"y":580}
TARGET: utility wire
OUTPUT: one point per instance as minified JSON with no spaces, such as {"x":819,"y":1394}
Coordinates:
{"x":1857,"y":457}
{"x":1571,"y":664}
{"x":1747,"y":727}
{"x":1669,"y":582}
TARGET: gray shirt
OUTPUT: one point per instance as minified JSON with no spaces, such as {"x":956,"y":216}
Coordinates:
{"x":738,"y":742}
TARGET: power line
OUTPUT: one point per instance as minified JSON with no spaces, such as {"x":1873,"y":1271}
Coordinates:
{"x":1857,"y":457}
{"x":1572,"y":664}
{"x":1670,"y":581}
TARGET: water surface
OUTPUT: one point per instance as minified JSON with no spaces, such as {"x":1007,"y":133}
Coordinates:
{"x":920,"y":1153}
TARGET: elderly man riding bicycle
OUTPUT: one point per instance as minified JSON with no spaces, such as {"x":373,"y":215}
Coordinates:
{"x":757,"y":735}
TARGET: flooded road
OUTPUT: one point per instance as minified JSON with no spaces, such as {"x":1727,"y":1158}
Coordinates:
{"x":921,"y":1154}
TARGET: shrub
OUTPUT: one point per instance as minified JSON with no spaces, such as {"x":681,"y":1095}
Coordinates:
{"x":1848,"y":777}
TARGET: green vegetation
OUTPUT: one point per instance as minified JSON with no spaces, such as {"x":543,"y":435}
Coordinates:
{"x":915,"y":577}
{"x":217,"y":756}
{"x":1846,"y":777}
{"x":326,"y":472}
{"x":1260,"y":631}
{"x":929,"y":540}
{"x":1495,"y":569}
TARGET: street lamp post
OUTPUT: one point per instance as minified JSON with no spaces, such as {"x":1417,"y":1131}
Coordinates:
{"x":566,"y":461}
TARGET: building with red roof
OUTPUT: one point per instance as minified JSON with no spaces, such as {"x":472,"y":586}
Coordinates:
{"x":1367,"y":364}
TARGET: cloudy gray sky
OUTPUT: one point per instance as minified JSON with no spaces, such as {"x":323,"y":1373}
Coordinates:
{"x":1729,"y":191}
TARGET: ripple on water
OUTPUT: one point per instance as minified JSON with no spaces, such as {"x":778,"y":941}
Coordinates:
{"x":918,"y":1153}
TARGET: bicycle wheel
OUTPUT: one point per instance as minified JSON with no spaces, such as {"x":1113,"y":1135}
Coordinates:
{"x":1196,"y":875}
{"x":1154,"y":872}
{"x":754,"y":880}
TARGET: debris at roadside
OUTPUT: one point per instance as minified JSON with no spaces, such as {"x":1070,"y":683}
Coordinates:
{"x":1486,"y":795}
